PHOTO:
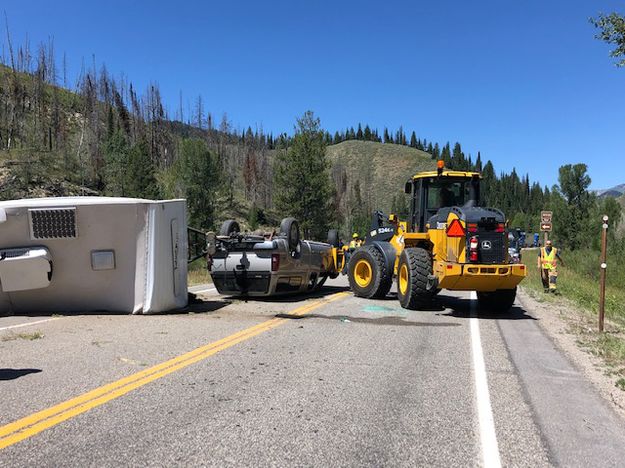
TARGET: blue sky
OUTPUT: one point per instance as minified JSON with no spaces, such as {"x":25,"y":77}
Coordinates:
{"x":525,"y":82}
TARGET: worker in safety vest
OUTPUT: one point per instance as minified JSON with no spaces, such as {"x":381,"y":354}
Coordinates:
{"x":548,"y":258}
{"x":355,"y":243}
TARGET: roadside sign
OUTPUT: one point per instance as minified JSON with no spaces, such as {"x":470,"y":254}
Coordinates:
{"x":545,"y":227}
{"x":545,"y":217}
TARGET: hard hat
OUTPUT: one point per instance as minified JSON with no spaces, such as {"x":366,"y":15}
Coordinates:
{"x":355,"y":235}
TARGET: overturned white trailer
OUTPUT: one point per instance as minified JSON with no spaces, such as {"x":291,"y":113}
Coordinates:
{"x":92,"y":254}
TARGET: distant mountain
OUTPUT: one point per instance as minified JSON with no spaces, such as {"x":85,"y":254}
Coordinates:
{"x":615,"y":192}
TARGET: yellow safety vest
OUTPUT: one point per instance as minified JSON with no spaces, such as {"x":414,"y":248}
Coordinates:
{"x":353,"y":244}
{"x":548,"y":261}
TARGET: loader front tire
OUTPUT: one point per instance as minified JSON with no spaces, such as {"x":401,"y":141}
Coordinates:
{"x":368,"y":274}
{"x":413,"y":288}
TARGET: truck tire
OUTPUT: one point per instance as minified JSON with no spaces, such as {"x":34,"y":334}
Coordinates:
{"x":413,"y":290}
{"x":333,"y":238}
{"x":367,"y":273}
{"x":496,"y":302}
{"x":289,"y":227}
{"x":228,"y":227}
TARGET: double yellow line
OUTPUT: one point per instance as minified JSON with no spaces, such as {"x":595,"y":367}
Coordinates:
{"x":30,"y":425}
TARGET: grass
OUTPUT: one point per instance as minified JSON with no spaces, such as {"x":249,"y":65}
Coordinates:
{"x":198,"y":274}
{"x":579,"y":286}
{"x":37,"y":335}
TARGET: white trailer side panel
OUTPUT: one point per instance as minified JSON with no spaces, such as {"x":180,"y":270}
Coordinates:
{"x":117,"y":261}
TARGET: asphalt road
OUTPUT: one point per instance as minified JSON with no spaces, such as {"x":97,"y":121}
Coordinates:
{"x":334,"y":380}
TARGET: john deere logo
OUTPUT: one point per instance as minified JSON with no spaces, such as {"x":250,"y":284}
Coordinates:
{"x":486,"y":245}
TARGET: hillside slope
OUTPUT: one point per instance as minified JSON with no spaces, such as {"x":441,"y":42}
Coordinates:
{"x":378,"y":170}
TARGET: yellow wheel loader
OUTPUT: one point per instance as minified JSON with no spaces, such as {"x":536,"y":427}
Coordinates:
{"x":448,"y":242}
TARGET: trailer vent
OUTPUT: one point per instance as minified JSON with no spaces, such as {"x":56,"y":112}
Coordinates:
{"x":55,"y":223}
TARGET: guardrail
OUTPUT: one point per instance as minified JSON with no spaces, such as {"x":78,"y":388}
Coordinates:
{"x":197,"y":244}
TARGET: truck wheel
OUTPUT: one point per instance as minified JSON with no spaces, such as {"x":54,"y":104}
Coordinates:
{"x":367,"y":273}
{"x":333,"y":238}
{"x":496,"y":302}
{"x":415,"y":266}
{"x":289,"y":227}
{"x":228,"y":227}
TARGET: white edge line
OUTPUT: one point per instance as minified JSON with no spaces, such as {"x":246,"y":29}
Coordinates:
{"x":28,"y":324}
{"x":488,"y":436}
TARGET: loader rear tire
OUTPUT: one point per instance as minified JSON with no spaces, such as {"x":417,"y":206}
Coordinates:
{"x":413,"y":289}
{"x":496,"y":302}
{"x":368,"y":274}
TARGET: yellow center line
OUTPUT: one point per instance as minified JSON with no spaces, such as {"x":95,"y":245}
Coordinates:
{"x":30,"y":425}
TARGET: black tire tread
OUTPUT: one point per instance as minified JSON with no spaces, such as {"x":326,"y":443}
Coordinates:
{"x":382,"y":278}
{"x":419,"y":263}
{"x":285,"y":230}
{"x":228,"y":227}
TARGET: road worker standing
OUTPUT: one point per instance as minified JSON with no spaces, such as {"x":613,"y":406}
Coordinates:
{"x":548,"y":258}
{"x":355,"y":243}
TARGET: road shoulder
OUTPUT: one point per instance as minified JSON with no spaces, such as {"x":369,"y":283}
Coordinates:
{"x":559,"y":322}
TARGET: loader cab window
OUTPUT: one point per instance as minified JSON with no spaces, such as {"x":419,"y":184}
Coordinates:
{"x":443,"y":194}
{"x":433,"y":193}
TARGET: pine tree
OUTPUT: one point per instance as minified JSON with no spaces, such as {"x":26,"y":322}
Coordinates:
{"x":141,"y":173}
{"x":457,"y":158}
{"x":197,"y":173}
{"x":302,"y":181}
{"x":413,"y":140}
{"x":359,"y":134}
{"x":434,"y":151}
{"x":446,"y":156}
{"x":367,"y":133}
{"x":488,"y":189}
{"x":478,"y":162}
{"x":115,"y":159}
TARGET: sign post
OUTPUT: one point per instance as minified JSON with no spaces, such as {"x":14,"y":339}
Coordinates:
{"x":602,"y":273}
{"x":545,"y":224}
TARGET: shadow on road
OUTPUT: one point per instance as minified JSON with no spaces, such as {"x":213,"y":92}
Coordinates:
{"x":462,"y":308}
{"x":435,"y":306}
{"x":395,"y":321}
{"x":323,"y":292}
{"x":12,"y":374}
{"x":199,"y":306}
{"x":196,"y":306}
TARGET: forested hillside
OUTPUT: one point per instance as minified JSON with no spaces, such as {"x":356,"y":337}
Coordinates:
{"x":370,"y":176}
{"x":102,"y":136}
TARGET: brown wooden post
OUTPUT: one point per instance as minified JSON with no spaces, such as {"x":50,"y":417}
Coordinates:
{"x":602,"y":273}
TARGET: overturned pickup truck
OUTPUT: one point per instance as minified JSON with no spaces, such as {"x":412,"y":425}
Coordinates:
{"x":270,"y":264}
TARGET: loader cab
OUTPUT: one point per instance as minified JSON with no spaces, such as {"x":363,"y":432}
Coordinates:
{"x":432,"y":192}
